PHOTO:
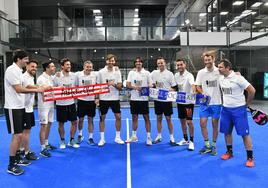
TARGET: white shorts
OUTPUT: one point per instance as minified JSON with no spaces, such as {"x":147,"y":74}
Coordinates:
{"x":46,"y":115}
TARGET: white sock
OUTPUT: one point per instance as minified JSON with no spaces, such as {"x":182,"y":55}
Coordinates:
{"x":43,"y":147}
{"x":80,"y":133}
{"x":148,"y":135}
{"x":171,"y":137}
{"x":102,"y":135}
{"x":90,"y":135}
{"x":26,"y":152}
{"x":134,"y":133}
{"x":117,"y":134}
{"x":46,"y":142}
{"x":159,"y":135}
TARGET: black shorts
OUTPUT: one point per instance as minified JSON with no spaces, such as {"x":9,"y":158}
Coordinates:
{"x":105,"y":105}
{"x":15,"y":120}
{"x":86,"y":108}
{"x":185,"y":111}
{"x":29,"y":120}
{"x":66,"y":113}
{"x":163,"y":108}
{"x":139,"y":107}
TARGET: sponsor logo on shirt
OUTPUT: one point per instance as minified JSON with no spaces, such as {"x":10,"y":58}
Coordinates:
{"x":212,"y":83}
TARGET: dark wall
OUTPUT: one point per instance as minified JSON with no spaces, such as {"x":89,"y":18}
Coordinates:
{"x":29,"y":12}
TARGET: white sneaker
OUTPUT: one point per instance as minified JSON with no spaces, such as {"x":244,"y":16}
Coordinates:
{"x":183,"y":142}
{"x":118,"y":140}
{"x":191,"y":146}
{"x":132,"y":139}
{"x":149,"y":142}
{"x":62,"y":144}
{"x":101,"y":142}
{"x":73,"y":144}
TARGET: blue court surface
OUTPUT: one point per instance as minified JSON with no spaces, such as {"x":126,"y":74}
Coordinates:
{"x":137,"y":165}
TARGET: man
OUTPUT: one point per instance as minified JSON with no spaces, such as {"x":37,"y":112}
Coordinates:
{"x":163,"y":79}
{"x":111,"y":75}
{"x":46,"y":109}
{"x":138,"y":78}
{"x":185,"y":82}
{"x":86,"y":106}
{"x":28,"y":82}
{"x":234,"y":111}
{"x":66,"y":109}
{"x":15,"y":108}
{"x":207,"y":83}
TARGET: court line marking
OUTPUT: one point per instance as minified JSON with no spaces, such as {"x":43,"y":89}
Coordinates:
{"x":128,"y":158}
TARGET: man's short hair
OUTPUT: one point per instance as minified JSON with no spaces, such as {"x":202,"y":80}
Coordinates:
{"x":19,"y":54}
{"x":210,"y":53}
{"x":33,"y":61}
{"x":181,"y":59}
{"x":226,"y":63}
{"x":62,"y":61}
{"x":46,"y":65}
{"x":110,"y":56}
{"x":88,"y":62}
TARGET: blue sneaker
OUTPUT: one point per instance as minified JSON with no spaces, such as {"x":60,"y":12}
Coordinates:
{"x":213,"y":150}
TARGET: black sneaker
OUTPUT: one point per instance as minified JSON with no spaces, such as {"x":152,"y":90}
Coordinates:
{"x":45,"y":153}
{"x":23,"y":162}
{"x":91,"y":142}
{"x":157,"y":140}
{"x":80,"y":139}
{"x":172,"y":143}
{"x":50,"y":147}
{"x":21,"y":153}
{"x":31,"y":156}
{"x":15,"y":170}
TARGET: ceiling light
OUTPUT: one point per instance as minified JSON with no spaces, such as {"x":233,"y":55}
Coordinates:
{"x":136,"y":15}
{"x":202,"y":14}
{"x":238,"y":3}
{"x":136,"y":19}
{"x":136,"y":10}
{"x":257,"y":4}
{"x":266,"y":4}
{"x":257,"y":23}
{"x":224,"y":13}
{"x":98,"y":17}
{"x":246,"y":11}
{"x":96,"y":11}
{"x":253,"y":13}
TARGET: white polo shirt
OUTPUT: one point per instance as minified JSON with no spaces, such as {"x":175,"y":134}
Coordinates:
{"x":13,"y":76}
{"x":163,"y":80}
{"x":44,"y":79}
{"x":185,"y":82}
{"x":106,"y":76}
{"x":209,"y":81}
{"x":140,"y":79}
{"x":29,"y":97}
{"x":65,"y":81}
{"x":233,"y":87}
{"x":83,"y":79}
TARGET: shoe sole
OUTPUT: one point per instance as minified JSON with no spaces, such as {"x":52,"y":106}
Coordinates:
{"x":24,"y":164}
{"x":204,"y":152}
{"x":45,"y":155}
{"x":15,"y":174}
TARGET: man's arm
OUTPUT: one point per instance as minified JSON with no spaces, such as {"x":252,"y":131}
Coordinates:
{"x":251,"y":93}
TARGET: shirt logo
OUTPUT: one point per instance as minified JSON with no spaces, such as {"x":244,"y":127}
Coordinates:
{"x":211,"y":83}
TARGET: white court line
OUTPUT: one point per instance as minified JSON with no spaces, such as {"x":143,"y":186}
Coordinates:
{"x":128,"y":158}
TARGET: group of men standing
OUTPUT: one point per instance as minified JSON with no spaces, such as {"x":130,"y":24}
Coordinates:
{"x":215,"y":82}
